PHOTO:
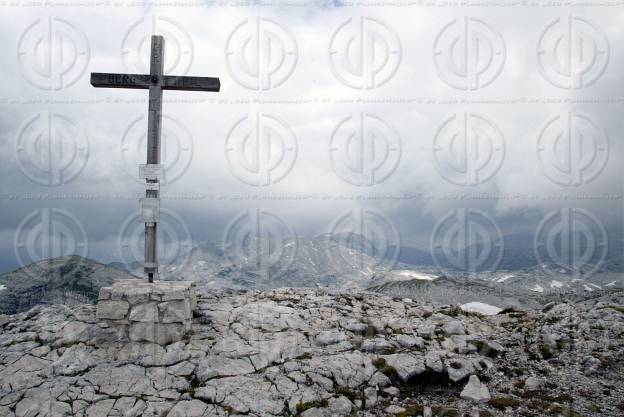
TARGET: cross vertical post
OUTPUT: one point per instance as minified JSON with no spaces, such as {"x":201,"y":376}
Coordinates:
{"x":155,"y":82}
{"x":154,"y":120}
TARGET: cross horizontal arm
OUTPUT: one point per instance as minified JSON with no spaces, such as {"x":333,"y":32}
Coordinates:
{"x":171,"y":82}
{"x":167,"y":82}
{"x":108,"y":80}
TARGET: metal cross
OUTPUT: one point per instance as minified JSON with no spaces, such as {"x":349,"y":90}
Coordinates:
{"x":155,"y":82}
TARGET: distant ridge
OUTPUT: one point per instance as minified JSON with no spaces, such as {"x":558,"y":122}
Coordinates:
{"x":65,"y":280}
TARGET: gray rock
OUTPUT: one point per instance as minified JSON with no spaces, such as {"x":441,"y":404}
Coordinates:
{"x":159,"y":333}
{"x":340,"y":406}
{"x":216,"y":366}
{"x":188,"y":409}
{"x":370,"y":395}
{"x":377,"y":345}
{"x":475,"y":391}
{"x":453,"y":327}
{"x":407,"y":341}
{"x":459,"y":369}
{"x":532,"y":383}
{"x":355,"y":326}
{"x":406,"y":365}
{"x":146,"y":313}
{"x":434,"y":362}
{"x":330,"y":337}
{"x":175,"y":311}
{"x":112,"y":310}
{"x":76,"y":359}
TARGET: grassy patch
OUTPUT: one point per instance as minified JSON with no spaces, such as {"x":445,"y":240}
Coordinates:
{"x":383,"y":367}
{"x":545,"y":351}
{"x":564,"y":411}
{"x":301,"y":407}
{"x":412,"y":411}
{"x":349,"y":393}
{"x":442,"y":410}
{"x":503,"y":402}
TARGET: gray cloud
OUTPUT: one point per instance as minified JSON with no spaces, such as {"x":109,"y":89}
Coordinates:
{"x":312,"y":102}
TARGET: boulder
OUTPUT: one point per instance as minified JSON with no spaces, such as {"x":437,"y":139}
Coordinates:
{"x":475,"y":391}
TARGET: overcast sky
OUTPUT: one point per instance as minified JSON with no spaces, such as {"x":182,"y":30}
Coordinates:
{"x":353,"y":108}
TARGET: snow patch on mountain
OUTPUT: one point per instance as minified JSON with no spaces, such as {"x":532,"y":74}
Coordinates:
{"x":409,"y":274}
{"x":478,"y":307}
{"x":505,"y":278}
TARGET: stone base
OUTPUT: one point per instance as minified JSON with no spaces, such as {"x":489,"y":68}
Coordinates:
{"x":159,"y":312}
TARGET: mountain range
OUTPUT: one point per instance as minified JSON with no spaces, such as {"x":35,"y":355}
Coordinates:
{"x":348,"y":262}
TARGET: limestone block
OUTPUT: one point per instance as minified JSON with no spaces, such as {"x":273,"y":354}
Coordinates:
{"x":159,"y":333}
{"x":105,"y":294}
{"x":147,"y":313}
{"x":175,"y":311}
{"x":112,"y":310}
{"x":176,"y":294}
{"x":159,"y":312}
{"x":138,"y":295}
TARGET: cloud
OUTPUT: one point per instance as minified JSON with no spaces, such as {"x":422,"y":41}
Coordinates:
{"x":311,"y":101}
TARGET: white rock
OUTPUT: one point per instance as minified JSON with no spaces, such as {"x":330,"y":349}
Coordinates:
{"x":532,"y":383}
{"x":394,"y":409}
{"x":475,"y":391}
{"x":482,"y":308}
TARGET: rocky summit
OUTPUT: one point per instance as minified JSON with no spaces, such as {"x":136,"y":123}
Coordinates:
{"x":313,"y":352}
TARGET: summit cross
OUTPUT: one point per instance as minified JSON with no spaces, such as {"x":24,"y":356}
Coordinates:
{"x":155,"y":82}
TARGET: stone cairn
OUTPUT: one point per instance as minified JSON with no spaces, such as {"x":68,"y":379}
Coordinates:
{"x":158,"y":312}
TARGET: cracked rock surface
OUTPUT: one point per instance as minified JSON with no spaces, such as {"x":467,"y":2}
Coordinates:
{"x":313,"y":352}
